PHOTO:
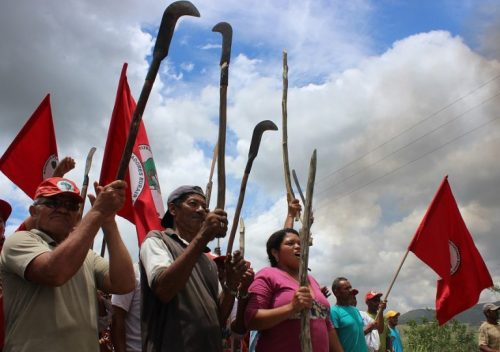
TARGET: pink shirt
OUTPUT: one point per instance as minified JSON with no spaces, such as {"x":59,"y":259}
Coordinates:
{"x":274,"y":288}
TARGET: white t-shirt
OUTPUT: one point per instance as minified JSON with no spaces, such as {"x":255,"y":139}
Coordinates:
{"x":372,"y":338}
{"x":131,"y":303}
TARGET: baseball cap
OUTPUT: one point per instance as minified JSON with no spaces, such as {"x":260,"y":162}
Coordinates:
{"x":5,"y":210}
{"x":490,"y":306}
{"x":354,"y":292}
{"x":372,"y":294}
{"x":57,"y":185}
{"x":168,"y":219}
{"x":391,"y":314}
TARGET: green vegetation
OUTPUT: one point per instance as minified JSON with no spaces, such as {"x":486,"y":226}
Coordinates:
{"x":428,"y":336}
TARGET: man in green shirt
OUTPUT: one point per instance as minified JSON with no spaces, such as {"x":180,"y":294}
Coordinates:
{"x":346,"y":318}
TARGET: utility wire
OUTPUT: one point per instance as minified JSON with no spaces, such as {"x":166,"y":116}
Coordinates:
{"x":410,"y":143}
{"x":322,"y":179}
{"x":410,"y":162}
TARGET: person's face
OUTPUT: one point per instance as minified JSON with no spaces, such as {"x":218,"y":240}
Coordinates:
{"x":393,"y":321}
{"x":190,"y":213}
{"x":373,"y":303}
{"x":288,"y":254}
{"x":344,"y":291}
{"x":492,"y":315}
{"x":56,"y":215}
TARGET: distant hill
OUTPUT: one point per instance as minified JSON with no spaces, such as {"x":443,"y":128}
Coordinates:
{"x":473,"y":316}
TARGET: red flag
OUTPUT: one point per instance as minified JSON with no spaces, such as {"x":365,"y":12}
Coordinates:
{"x":32,"y":156}
{"x":143,"y":204}
{"x":443,"y":242}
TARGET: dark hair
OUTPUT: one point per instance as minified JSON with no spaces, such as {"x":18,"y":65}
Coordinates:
{"x":274,"y":242}
{"x":336,"y":283}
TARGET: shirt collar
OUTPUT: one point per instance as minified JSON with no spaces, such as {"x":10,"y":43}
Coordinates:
{"x":181,"y":240}
{"x":50,"y":241}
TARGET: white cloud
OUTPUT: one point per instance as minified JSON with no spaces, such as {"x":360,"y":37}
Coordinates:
{"x":344,"y":100}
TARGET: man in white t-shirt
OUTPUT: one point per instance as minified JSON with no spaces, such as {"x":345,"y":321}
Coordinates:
{"x":126,"y":323}
{"x":370,"y":328}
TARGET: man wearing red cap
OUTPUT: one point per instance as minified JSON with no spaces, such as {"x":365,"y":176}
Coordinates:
{"x":50,"y":276}
{"x":373,"y":302}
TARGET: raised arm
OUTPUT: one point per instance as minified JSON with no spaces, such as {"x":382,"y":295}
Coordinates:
{"x":170,"y":280}
{"x":294,"y":208}
{"x":56,"y":267}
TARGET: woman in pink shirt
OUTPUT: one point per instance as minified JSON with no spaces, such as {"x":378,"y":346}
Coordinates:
{"x":276,"y":301}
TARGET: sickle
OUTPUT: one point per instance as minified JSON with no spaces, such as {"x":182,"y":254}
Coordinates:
{"x":163,"y":39}
{"x":252,"y":154}
{"x":225,"y":29}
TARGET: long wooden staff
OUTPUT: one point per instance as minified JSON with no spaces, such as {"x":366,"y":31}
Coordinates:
{"x":172,"y":13}
{"x":259,"y":129}
{"x":299,"y":189}
{"x":208,"y":191}
{"x":379,"y":311}
{"x":305,"y":332}
{"x":226,"y":31}
{"x":284,"y":131}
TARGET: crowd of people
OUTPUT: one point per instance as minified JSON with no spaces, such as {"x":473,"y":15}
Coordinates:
{"x":59,"y":295}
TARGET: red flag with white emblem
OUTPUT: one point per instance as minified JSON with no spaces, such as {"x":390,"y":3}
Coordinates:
{"x":143,"y":204}
{"x":32,"y":156}
{"x":443,"y":242}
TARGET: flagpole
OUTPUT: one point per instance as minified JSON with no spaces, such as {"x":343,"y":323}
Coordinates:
{"x":379,"y":311}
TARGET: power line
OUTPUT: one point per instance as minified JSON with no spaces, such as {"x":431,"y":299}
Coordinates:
{"x":412,"y":161}
{"x":407,"y":129}
{"x":411,"y":142}
{"x":322,"y":202}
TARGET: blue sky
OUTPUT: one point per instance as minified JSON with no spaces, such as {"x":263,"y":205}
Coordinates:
{"x":361,"y":73}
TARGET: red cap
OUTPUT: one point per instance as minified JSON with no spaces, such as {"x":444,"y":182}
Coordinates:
{"x":57,"y":185}
{"x":371,"y":294}
{"x":5,"y":210}
{"x":354,"y":291}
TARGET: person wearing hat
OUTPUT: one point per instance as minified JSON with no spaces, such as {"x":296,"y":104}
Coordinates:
{"x":50,"y":276}
{"x":489,"y":331}
{"x":373,"y":303}
{"x":182,"y":307}
{"x":392,"y":321}
{"x":346,"y":318}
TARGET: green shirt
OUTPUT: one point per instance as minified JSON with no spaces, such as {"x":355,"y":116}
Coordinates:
{"x":349,"y":325}
{"x":43,"y":318}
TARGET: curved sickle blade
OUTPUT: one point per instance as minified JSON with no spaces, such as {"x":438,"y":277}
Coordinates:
{"x":85,"y":185}
{"x":88,"y":162}
{"x":165,"y":32}
{"x":297,"y":184}
{"x":259,"y":129}
{"x":172,"y":13}
{"x":226,"y":30}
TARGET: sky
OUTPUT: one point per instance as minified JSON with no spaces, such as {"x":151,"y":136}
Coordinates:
{"x":393,"y":95}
